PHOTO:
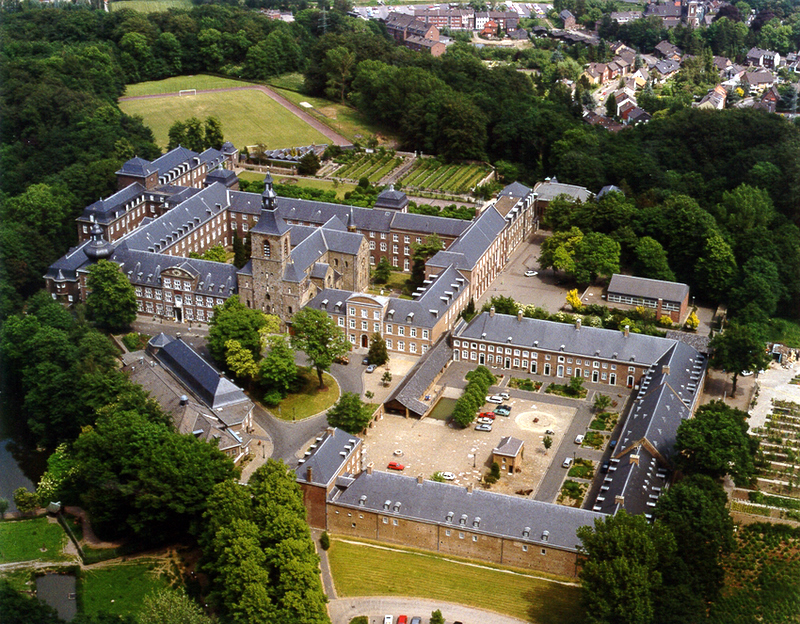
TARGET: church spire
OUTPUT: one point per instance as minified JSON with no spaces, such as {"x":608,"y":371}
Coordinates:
{"x":268,"y":196}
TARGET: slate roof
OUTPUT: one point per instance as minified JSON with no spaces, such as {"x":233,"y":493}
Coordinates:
{"x":107,"y":209}
{"x":609,"y":188}
{"x":391,"y":198}
{"x":648,"y":288}
{"x":270,"y":222}
{"x":429,"y":305}
{"x":326,"y":458}
{"x":508,"y":446}
{"x":200,"y":377}
{"x":136,"y":167}
{"x":419,"y":378}
{"x":470,"y":246}
{"x":550,"y":189}
{"x":224,"y":176}
{"x":550,"y":336}
{"x":667,"y":67}
{"x":515,"y":189}
{"x":173,"y":159}
{"x":497,"y":514}
{"x":66,"y":268}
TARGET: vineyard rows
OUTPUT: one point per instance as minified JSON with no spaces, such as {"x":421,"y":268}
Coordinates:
{"x":370,"y":166}
{"x":430,"y":174}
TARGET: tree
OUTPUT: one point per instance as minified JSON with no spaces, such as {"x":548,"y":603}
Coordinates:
{"x":575,"y":387}
{"x":574,"y":300}
{"x":176,"y":134}
{"x":350,"y":413}
{"x":501,"y":305}
{"x":695,"y":511}
{"x":716,"y":268}
{"x":557,"y":251}
{"x":315,"y":334}
{"x":622,"y":577}
{"x":715,"y":443}
{"x":387,"y":378}
{"x":547,"y":441}
{"x":596,"y":255}
{"x":3,"y":507}
{"x":25,"y":501}
{"x":692,"y":322}
{"x":216,"y":253}
{"x":737,"y":349}
{"x":308,"y":164}
{"x":212,"y":132}
{"x":235,"y":321}
{"x":111,"y":302}
{"x":383,"y":271}
{"x":601,"y":402}
{"x":436,"y":617}
{"x":239,"y":360}
{"x":20,"y":608}
{"x":278,"y":368}
{"x":377,"y":354}
{"x":651,"y":260}
{"x":339,"y":65}
{"x":420,"y":254}
{"x":168,"y":606}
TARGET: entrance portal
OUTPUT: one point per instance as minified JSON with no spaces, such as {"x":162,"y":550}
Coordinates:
{"x":364,"y":340}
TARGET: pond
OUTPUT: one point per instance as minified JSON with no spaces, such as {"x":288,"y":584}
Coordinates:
{"x":58,"y":590}
{"x":443,"y":409}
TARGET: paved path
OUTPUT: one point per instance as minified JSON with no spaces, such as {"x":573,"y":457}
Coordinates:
{"x":343,"y":610}
{"x":335,"y":137}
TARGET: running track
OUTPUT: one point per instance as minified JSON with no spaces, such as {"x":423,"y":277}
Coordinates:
{"x":335,"y":138}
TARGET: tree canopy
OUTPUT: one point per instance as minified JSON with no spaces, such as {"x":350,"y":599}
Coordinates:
{"x":350,"y":413}
{"x":111,"y":302}
{"x":235,"y":321}
{"x":315,"y":334}
{"x":738,"y":350}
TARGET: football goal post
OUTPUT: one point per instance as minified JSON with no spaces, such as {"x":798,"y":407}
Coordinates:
{"x":183,"y":92}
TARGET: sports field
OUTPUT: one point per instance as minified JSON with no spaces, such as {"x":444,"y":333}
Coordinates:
{"x":178,"y":83}
{"x":150,"y":6}
{"x":248,"y":118}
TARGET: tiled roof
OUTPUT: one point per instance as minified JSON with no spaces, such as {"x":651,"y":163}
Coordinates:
{"x":495,"y":514}
{"x":648,"y":288}
{"x":326,"y":457}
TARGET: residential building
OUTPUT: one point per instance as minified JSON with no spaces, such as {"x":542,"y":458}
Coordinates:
{"x":551,"y":188}
{"x":508,"y":454}
{"x":568,"y":19}
{"x":763,"y":58}
{"x":665,"y":298}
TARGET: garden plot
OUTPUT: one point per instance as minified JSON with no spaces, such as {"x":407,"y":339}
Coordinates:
{"x":374,"y":167}
{"x":780,"y":446}
{"x":429,"y":174}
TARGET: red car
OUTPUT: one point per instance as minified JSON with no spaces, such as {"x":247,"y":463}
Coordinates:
{"x":393,"y":465}
{"x":486,"y":415}
{"x":402,"y":619}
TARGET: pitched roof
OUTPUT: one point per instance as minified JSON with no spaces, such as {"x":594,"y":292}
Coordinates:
{"x":270,"y":222}
{"x":550,"y":189}
{"x":409,"y":392}
{"x":325,"y":458}
{"x":649,"y":288}
{"x":472,"y":243}
{"x":508,"y":446}
{"x":136,"y":167}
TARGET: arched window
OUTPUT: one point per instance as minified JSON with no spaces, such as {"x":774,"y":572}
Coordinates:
{"x":267,"y":249}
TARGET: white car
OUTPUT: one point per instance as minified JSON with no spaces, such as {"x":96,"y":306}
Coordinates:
{"x":531,"y":273}
{"x":567,"y":462}
{"x":483,"y":428}
{"x":448,"y":476}
{"x":504,"y":395}
{"x":746,"y":373}
{"x":485,"y":421}
{"x":495,"y":398}
{"x":579,"y":439}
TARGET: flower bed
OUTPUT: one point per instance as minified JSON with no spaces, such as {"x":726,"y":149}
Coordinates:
{"x":525,"y":384}
{"x":604,"y":421}
{"x":582,"y":469}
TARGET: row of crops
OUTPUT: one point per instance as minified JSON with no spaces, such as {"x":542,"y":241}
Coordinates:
{"x":432,"y":175}
{"x":371,"y":166}
{"x":780,"y":446}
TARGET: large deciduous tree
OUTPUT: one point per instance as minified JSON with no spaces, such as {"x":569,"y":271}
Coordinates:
{"x":235,"y":321}
{"x":737,"y":349}
{"x":315,"y":334}
{"x":168,"y":606}
{"x":278,"y":368}
{"x":349,"y":413}
{"x":111,"y":302}
{"x":377,"y":350}
{"x":715,"y":443}
{"x":596,"y":255}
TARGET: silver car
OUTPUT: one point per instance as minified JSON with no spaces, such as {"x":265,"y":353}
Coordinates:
{"x":483,"y":428}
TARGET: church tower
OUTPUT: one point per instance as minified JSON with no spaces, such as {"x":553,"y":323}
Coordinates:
{"x":270,"y":255}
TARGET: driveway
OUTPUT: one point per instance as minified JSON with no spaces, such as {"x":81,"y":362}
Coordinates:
{"x":345,"y":609}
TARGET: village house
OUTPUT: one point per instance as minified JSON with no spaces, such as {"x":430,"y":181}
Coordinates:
{"x":665,"y":298}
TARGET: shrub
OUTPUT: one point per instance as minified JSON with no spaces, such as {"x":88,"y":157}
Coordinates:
{"x":495,"y":470}
{"x":272,"y":398}
{"x":325,"y":541}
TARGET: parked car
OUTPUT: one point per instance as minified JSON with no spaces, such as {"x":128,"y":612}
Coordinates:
{"x":579,"y":439}
{"x":503,"y":410}
{"x":746,"y":373}
{"x":402,"y":619}
{"x":364,"y":362}
{"x":393,"y":465}
{"x":549,"y":432}
{"x":531,"y":273}
{"x":567,"y":462}
{"x":486,"y":415}
{"x":605,"y":466}
{"x":371,"y":368}
{"x":388,"y":619}
{"x":495,"y":398}
{"x":447,"y":476}
{"x":483,"y":428}
{"x":505,"y":396}
{"x":342,"y":360}
{"x":484,"y":421}
{"x":416,"y":620}
{"x":612,"y":444}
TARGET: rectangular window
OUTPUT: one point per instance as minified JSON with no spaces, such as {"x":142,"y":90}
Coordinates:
{"x":376,"y":315}
{"x":412,"y":347}
{"x":364,"y":325}
{"x":406,"y":239}
{"x":352,"y":323}
{"x":383,"y":246}
{"x":425,"y":333}
{"x":401,"y":346}
{"x":447,"y":532}
{"x":138,"y":291}
{"x":187,"y":298}
{"x":341,"y":321}
{"x":158,"y":293}
{"x":352,"y":311}
{"x":389,"y":329}
{"x":376,"y":327}
{"x":394,"y":521}
{"x":524,"y":548}
{"x":386,"y":520}
{"x":383,"y":235}
{"x":168,"y":295}
{"x":372,"y":244}
{"x":167,"y":282}
{"x":401,"y":330}
{"x":389,"y":344}
{"x":394,"y":238}
{"x":394,"y":248}
{"x":413,"y":332}
{"x":364,"y":313}
{"x":474,"y":538}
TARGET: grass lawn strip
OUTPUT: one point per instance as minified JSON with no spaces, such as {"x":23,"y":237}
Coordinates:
{"x":248,"y":118}
{"x":180,"y":83}
{"x":308,"y":401}
{"x":120,"y":589}
{"x":33,"y":539}
{"x":150,"y":6}
{"x":532,"y":598}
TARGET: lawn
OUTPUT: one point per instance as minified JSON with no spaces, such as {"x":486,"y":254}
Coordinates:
{"x":582,"y":469}
{"x":315,"y":183}
{"x":150,"y":6}
{"x":363,"y":570}
{"x":248,"y":118}
{"x":28,"y":540}
{"x":178,"y":83}
{"x":341,"y":118}
{"x":119,"y":589}
{"x":309,"y":400}
{"x":397,"y":283}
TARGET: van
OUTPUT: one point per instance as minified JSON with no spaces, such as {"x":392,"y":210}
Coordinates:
{"x":388,"y":619}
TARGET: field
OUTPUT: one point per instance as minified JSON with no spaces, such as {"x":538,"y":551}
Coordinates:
{"x":323,"y":185}
{"x":27,"y":540}
{"x":150,"y":6}
{"x":248,"y":118}
{"x":780,"y":445}
{"x":179,"y":83}
{"x":360,"y":570}
{"x":431,"y":175}
{"x":309,"y":401}
{"x":343,"y":119}
{"x":371,"y":166}
{"x":119,"y":589}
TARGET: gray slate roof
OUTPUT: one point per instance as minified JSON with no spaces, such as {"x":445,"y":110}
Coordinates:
{"x":550,"y":336}
{"x":497,"y":514}
{"x":326,"y":459}
{"x":549,"y":190}
{"x":107,"y":209}
{"x":473,"y":243}
{"x":648,"y":288}
{"x":508,"y":446}
{"x":420,"y":377}
{"x":204,"y":381}
{"x":515,"y":189}
{"x":270,"y":222}
{"x":136,"y":167}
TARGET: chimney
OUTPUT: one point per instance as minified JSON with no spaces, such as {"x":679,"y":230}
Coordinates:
{"x":627,"y":331}
{"x":634,"y":459}
{"x":370,"y":466}
{"x":469,"y":489}
{"x":491,"y":311}
{"x":309,"y":474}
{"x":619,"y":499}
{"x":577,"y":323}
{"x":420,"y":479}
{"x":330,"y":430}
{"x":665,"y":369}
{"x":184,"y":399}
{"x":519,"y":315}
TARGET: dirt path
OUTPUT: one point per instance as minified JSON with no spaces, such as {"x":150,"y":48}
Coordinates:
{"x":336,"y":139}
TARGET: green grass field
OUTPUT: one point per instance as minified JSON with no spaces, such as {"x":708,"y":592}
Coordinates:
{"x":150,"y":6}
{"x":362,"y":570}
{"x":309,"y":400}
{"x":28,"y":540}
{"x":248,"y":118}
{"x":178,"y":83}
{"x":324,"y":185}
{"x":119,"y":589}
